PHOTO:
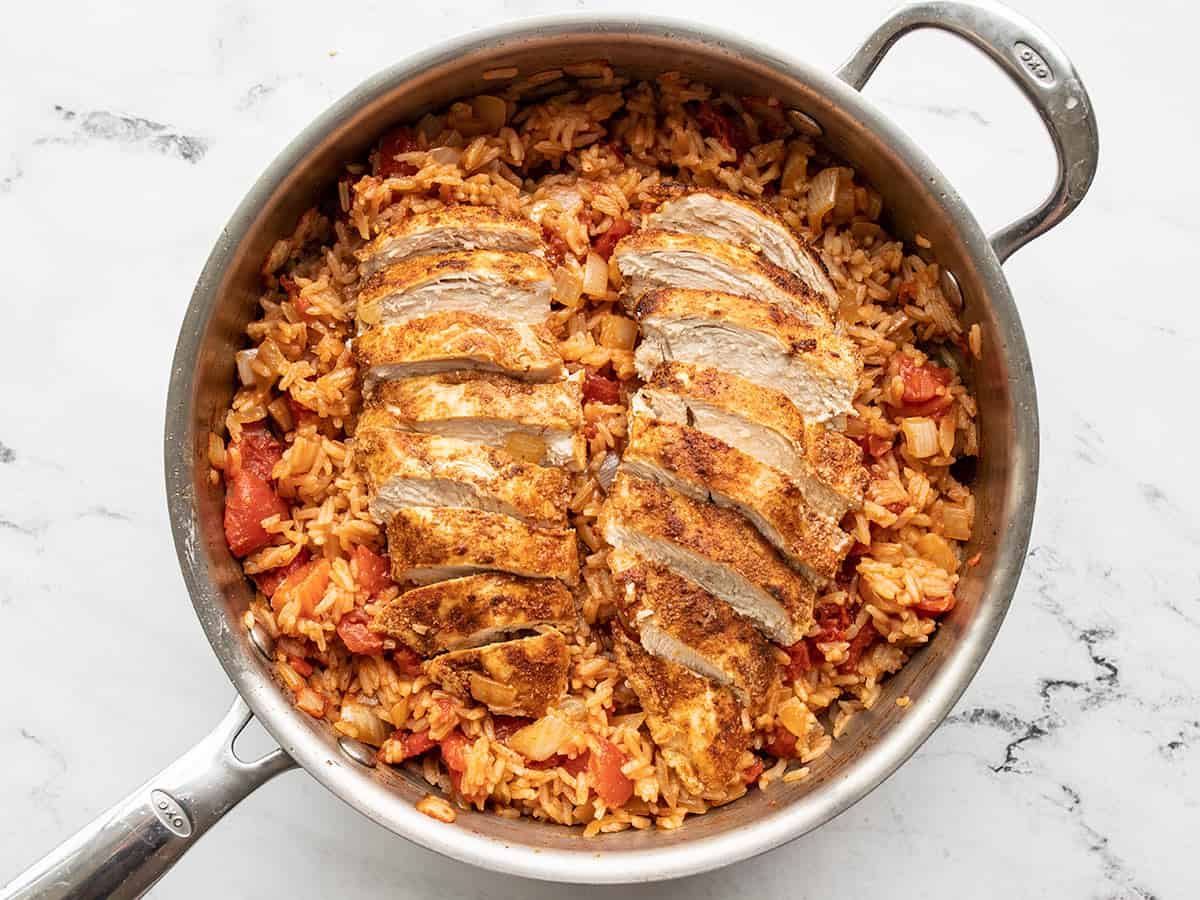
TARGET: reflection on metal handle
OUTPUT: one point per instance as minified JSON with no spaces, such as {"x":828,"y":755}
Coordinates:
{"x":127,"y":849}
{"x":1039,"y":67}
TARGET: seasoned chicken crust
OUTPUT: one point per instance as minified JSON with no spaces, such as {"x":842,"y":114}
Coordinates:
{"x":457,"y":340}
{"x":514,"y":678}
{"x":725,"y":216}
{"x":715,"y":548}
{"x":698,"y":725}
{"x":478,"y":609}
{"x":431,"y":543}
{"x":651,"y":259}
{"x":703,"y":467}
{"x":446,"y":230}
{"x":415,"y":469}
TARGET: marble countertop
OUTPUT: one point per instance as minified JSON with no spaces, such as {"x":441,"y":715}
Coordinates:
{"x":1071,"y":767}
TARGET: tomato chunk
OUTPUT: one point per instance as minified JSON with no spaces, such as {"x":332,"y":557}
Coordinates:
{"x":575,"y":766}
{"x":260,"y":450}
{"x":874,"y":445}
{"x":922,"y":382}
{"x":303,"y":666}
{"x":727,"y":129}
{"x":801,"y":660}
{"x":751,"y":774}
{"x":307,"y":584}
{"x":936,"y":606}
{"x":612,"y":785}
{"x":269,"y":581}
{"x":407,"y":662}
{"x":606,"y":242}
{"x":413,"y":743}
{"x":598,"y":389}
{"x":782,"y":744}
{"x":867,"y":635}
{"x":355,"y":631}
{"x":505,"y":727}
{"x":248,"y":500}
{"x":454,"y":748}
{"x":371,"y":571}
{"x":401,"y":140}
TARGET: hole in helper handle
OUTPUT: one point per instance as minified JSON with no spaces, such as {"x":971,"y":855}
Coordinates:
{"x":1039,"y":67}
{"x":126,"y":849}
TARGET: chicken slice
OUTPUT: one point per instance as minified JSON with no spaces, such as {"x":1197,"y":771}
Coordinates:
{"x":701,"y":467}
{"x":413,"y":469}
{"x":446,"y":230}
{"x":825,"y":464}
{"x":679,"y":621}
{"x":697,"y":725}
{"x":713,"y":547}
{"x":651,"y":259}
{"x":817,"y":369}
{"x":535,"y":422}
{"x":725,"y":216}
{"x":511,"y":286}
{"x":515,"y":678}
{"x":475,"y":610}
{"x":448,"y":341}
{"x":429,"y":544}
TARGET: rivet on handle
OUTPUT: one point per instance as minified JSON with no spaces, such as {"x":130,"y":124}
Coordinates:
{"x":358,"y":751}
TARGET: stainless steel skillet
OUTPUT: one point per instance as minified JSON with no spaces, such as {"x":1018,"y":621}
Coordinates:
{"x":129,"y":847}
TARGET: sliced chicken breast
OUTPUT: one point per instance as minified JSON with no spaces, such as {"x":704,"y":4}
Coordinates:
{"x":697,"y":725}
{"x":704,"y":468}
{"x":475,"y":610}
{"x":446,"y":230}
{"x":514,"y":287}
{"x":535,"y":422}
{"x":411,"y":469}
{"x":457,"y":340}
{"x":515,"y":678}
{"x":817,"y":369}
{"x":826,"y":465}
{"x":679,"y":621}
{"x":430,"y":544}
{"x":713,"y":547}
{"x":651,"y":259}
{"x":725,"y":216}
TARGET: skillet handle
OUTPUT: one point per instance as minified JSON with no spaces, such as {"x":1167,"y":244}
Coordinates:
{"x":1038,"y":66}
{"x":125,"y":850}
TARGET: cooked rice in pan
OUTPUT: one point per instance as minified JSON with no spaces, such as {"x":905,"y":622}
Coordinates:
{"x":580,"y":155}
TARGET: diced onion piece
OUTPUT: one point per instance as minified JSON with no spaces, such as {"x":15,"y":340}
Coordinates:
{"x":525,"y":446}
{"x":921,"y":433}
{"x":822,"y":196}
{"x":311,"y":702}
{"x":446,"y":156}
{"x":367,"y":727}
{"x":607,"y":473}
{"x":542,"y":739}
{"x":492,"y":693}
{"x":567,"y":286}
{"x":617,"y":332}
{"x":867,"y":230}
{"x":595,"y":276}
{"x":281,"y":412}
{"x":245,"y":370}
{"x":934,"y":548}
{"x":956,"y":523}
{"x":844,"y":200}
{"x":794,"y":716}
{"x":491,"y":110}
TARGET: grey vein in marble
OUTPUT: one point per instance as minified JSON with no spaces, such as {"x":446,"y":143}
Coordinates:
{"x":103,"y":125}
